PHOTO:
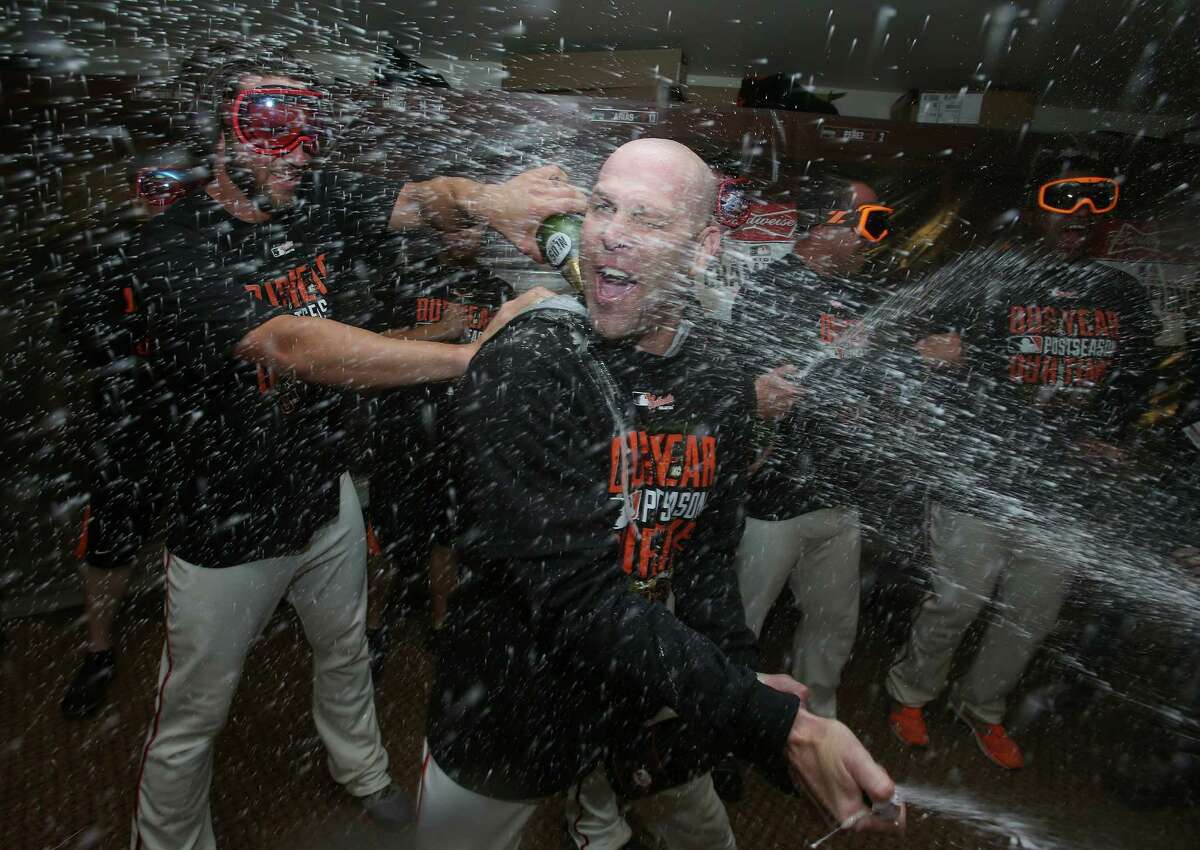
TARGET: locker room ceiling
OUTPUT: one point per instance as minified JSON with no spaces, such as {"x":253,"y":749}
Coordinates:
{"x":1137,"y":55}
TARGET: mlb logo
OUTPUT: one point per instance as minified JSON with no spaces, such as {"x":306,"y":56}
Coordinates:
{"x":1025,"y":345}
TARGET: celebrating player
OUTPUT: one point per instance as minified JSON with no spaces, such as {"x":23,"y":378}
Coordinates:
{"x":238,"y":278}
{"x":603,"y":464}
{"x":803,"y":526}
{"x":1046,"y":354}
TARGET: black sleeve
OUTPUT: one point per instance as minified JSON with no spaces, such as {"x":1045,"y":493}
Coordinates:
{"x":707,"y":597}
{"x":544,"y":524}
{"x":100,"y":317}
{"x":766,"y":331}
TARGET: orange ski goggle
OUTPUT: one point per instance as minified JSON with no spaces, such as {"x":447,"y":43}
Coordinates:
{"x":870,"y":221}
{"x":1070,"y":194}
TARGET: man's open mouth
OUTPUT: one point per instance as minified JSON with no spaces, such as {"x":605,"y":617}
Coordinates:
{"x":613,"y":284}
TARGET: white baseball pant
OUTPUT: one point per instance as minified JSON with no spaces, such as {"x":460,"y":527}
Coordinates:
{"x":450,"y":817}
{"x":972,"y":560}
{"x":687,"y":817}
{"x":212,"y":618}
{"x":818,"y":554}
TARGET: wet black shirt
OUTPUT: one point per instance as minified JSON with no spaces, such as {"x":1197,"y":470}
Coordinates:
{"x":558,"y":643}
{"x":1053,"y":352}
{"x":416,"y":294}
{"x":789,"y":314}
{"x":260,"y":453}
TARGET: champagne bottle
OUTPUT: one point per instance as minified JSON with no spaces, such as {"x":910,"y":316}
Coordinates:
{"x":558,"y":240}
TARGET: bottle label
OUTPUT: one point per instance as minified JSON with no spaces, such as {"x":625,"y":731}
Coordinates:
{"x":558,"y":249}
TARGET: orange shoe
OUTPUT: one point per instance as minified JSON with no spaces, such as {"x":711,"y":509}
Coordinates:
{"x":908,"y":724}
{"x":994,"y":742}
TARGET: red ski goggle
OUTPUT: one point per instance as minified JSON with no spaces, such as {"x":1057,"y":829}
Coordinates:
{"x":870,"y":221}
{"x":1070,"y":194}
{"x":161,"y":187}
{"x":276,"y":120}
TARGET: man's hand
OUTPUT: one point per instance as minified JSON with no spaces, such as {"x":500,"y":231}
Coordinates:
{"x":832,"y":764}
{"x":517,"y":207}
{"x":511,"y":310}
{"x":941,"y":348}
{"x":776,"y":393}
{"x":450,"y":327}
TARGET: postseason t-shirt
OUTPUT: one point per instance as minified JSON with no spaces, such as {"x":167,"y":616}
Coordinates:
{"x":1053,"y":352}
{"x":417,"y":294}
{"x":260,"y":452}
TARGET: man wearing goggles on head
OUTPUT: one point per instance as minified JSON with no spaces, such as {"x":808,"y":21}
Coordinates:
{"x":1043,"y":356}
{"x":240,"y":278}
{"x":802,"y":314}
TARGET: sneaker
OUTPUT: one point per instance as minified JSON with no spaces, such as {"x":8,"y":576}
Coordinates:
{"x":377,"y":648}
{"x":994,"y":742}
{"x":389,"y":807}
{"x":908,"y":724}
{"x":85,"y":695}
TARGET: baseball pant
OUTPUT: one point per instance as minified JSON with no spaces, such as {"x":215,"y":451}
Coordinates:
{"x":817,"y":553}
{"x":212,"y":618}
{"x":687,"y":817}
{"x":450,"y":817}
{"x":972,"y":560}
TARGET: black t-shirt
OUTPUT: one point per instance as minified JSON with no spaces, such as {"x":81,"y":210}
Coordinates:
{"x":260,"y":453}
{"x":415,"y":294}
{"x":557,"y":644}
{"x":1054,"y":351}
{"x":789,"y":314}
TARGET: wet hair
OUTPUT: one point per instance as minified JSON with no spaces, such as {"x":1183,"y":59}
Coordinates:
{"x":209,"y":79}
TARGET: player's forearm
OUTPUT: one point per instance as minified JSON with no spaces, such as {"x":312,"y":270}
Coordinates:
{"x":322,"y":351}
{"x":423,"y":333}
{"x":444,"y":203}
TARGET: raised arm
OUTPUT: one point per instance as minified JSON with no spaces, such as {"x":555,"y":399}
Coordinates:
{"x":514,"y":208}
{"x":323,"y":351}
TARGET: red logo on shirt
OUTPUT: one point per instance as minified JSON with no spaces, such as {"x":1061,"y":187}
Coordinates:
{"x":768,"y":223}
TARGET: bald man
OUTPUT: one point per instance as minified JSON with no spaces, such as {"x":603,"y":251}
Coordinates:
{"x":603,"y":453}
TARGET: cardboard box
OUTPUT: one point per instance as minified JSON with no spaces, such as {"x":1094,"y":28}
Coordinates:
{"x":998,"y":110}
{"x":618,"y":73}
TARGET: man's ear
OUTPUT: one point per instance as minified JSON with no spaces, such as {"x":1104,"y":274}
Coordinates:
{"x":708,"y":246}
